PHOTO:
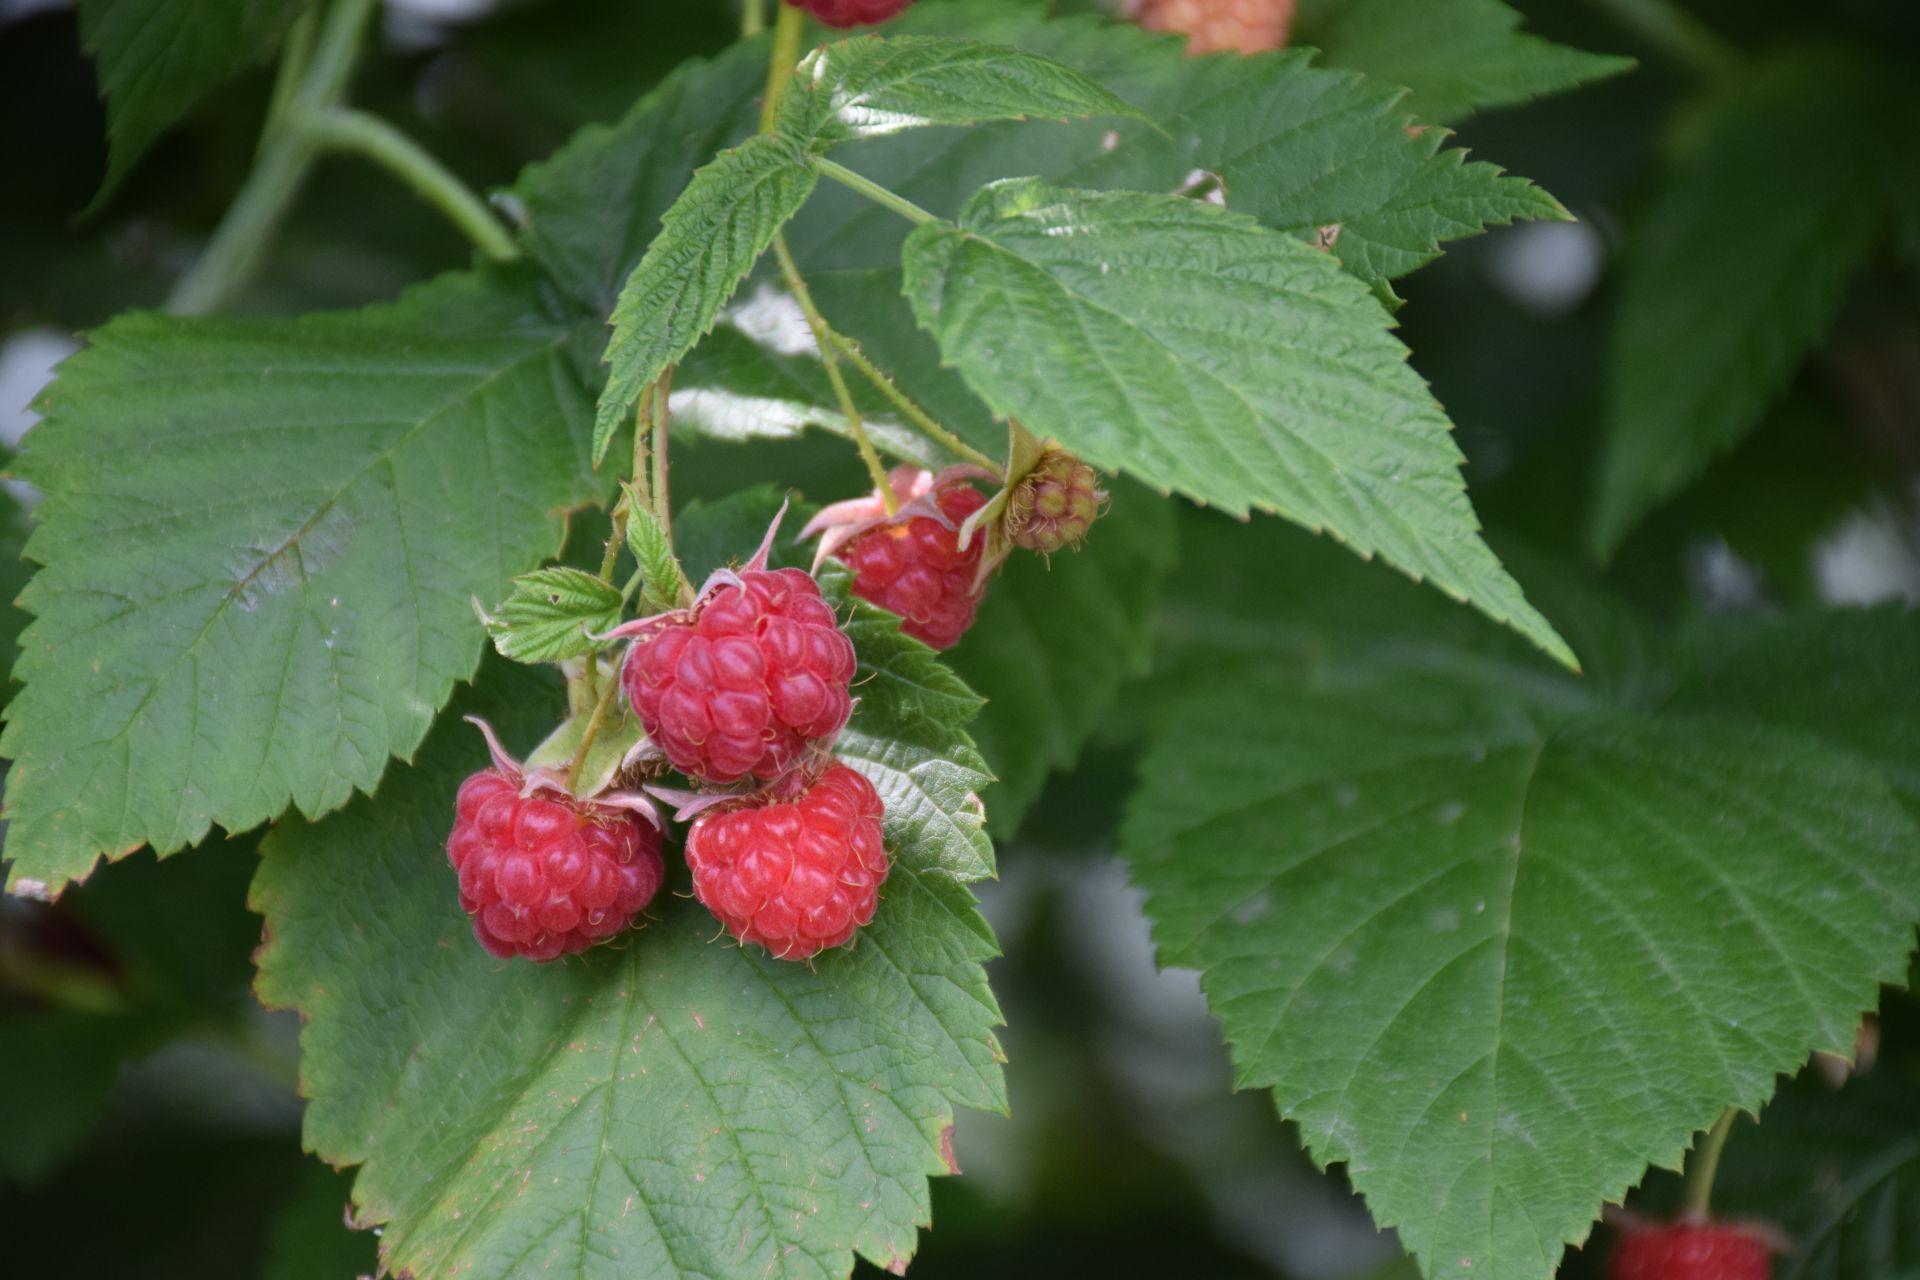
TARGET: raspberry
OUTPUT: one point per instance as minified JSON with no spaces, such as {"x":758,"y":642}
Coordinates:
{"x":795,"y":876}
{"x":915,"y":568}
{"x":745,"y":681}
{"x":1054,"y":504}
{"x":1692,"y":1251}
{"x":852,"y":13}
{"x":1212,"y":25}
{"x":545,"y":875}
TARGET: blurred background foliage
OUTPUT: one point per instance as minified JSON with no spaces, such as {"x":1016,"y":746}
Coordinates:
{"x":149,"y":1124}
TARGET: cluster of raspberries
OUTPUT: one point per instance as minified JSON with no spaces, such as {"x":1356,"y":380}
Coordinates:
{"x":746,"y":690}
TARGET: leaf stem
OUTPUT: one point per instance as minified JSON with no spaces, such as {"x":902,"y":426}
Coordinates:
{"x":753,"y":19}
{"x":915,"y":414}
{"x":871,"y":190}
{"x":787,"y":30}
{"x":823,"y":338}
{"x":1677,"y":34}
{"x":1704,"y":1164}
{"x":345,"y":129}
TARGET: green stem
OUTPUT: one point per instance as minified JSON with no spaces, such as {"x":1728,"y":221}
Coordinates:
{"x":787,"y":30}
{"x":1704,"y":1164}
{"x":239,"y":243}
{"x":823,"y":338}
{"x":753,"y":19}
{"x":344,"y":129}
{"x":914,"y":413}
{"x":233,"y":254}
{"x":294,"y":57}
{"x":872,"y":191}
{"x":592,"y":730}
{"x":1675,"y":33}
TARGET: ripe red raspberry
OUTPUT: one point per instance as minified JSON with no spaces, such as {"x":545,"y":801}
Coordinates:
{"x":917,"y":570}
{"x":852,"y":13}
{"x":1055,"y":504}
{"x":1248,"y":26}
{"x":1692,"y":1251}
{"x":744,"y":681}
{"x":796,"y":876}
{"x":545,"y":875}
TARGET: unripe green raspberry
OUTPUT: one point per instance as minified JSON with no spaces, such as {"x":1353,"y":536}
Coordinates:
{"x":1054,"y":504}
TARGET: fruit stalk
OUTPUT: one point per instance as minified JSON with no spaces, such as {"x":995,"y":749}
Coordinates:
{"x":1704,"y":1165}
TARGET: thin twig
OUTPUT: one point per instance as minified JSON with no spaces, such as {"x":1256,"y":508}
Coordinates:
{"x":822,"y":337}
{"x":915,"y":414}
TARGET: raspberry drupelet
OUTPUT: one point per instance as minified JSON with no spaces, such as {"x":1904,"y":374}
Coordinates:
{"x":544,"y":874}
{"x":852,"y":13}
{"x":745,"y":681}
{"x":911,"y":563}
{"x":796,"y":876}
{"x":1693,"y":1250}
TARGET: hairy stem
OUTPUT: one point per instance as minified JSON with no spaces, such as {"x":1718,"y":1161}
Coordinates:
{"x":919,"y":417}
{"x":1704,"y":1164}
{"x":823,"y":338}
{"x":1674,"y":32}
{"x":344,"y":129}
{"x":872,"y":191}
{"x":787,"y":30}
{"x":592,"y":731}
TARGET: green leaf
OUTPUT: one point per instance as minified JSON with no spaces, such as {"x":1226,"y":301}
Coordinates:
{"x":550,"y":614}
{"x":594,"y":205}
{"x":868,"y":87}
{"x":261,"y":541}
{"x":708,"y":241}
{"x":1298,"y":146}
{"x":1431,"y":888}
{"x":1851,"y":676}
{"x":660,"y":575}
{"x":1202,"y":352}
{"x":156,"y":58}
{"x":907,"y":737}
{"x":1053,"y":643}
{"x":1737,"y":271}
{"x":1457,"y":56}
{"x":669,"y":1106}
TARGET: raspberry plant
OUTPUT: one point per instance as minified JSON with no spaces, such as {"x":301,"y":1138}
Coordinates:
{"x":858,"y":441}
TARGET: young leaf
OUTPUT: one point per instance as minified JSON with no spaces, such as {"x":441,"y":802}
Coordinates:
{"x":1202,"y":352}
{"x":660,"y":574}
{"x":261,"y":542}
{"x":1055,"y":641}
{"x":708,"y":241}
{"x":671,"y":1105}
{"x":1457,"y":56}
{"x":593,"y":207}
{"x":868,"y":87}
{"x":1738,"y":270}
{"x":550,"y":613}
{"x":156,"y":58}
{"x":1431,"y":893}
